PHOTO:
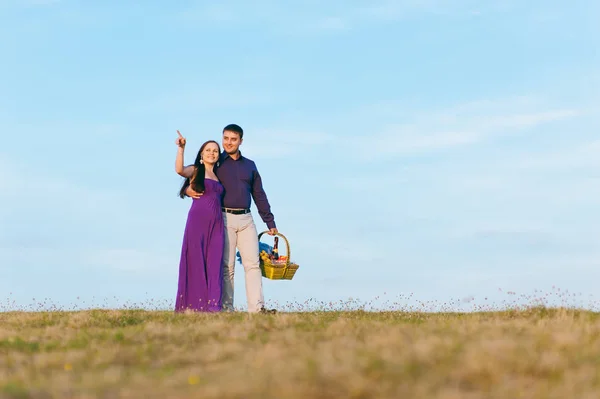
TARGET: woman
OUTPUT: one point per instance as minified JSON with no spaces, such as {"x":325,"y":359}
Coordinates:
{"x":200,"y":269}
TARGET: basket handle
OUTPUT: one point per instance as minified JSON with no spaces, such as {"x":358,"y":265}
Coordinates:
{"x":287,"y":245}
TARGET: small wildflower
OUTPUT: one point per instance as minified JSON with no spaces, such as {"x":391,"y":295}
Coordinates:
{"x":193,"y":380}
{"x":68,"y":367}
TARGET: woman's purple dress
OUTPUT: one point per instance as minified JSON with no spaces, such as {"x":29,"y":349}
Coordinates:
{"x":200,"y":266}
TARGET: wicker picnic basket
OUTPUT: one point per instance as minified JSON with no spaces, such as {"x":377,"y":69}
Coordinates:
{"x":282,"y":270}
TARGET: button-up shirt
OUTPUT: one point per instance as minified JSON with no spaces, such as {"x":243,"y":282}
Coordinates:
{"x":241,"y":181}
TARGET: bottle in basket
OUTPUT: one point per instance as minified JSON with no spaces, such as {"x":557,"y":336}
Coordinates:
{"x":275,"y":249}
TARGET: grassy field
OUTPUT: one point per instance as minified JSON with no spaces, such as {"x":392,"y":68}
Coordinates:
{"x":534,"y":353}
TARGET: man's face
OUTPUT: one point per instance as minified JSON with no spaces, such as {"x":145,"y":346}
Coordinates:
{"x":231,"y":142}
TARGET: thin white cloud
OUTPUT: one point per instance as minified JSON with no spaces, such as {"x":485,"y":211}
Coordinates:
{"x":44,"y":217}
{"x":458,"y":126}
{"x":29,"y":3}
{"x":129,"y":260}
{"x":41,"y":2}
{"x":568,"y":176}
{"x":331,"y":24}
{"x":111,"y":260}
{"x":521,"y":197}
{"x":454,"y":127}
{"x":211,"y":12}
{"x":583,"y":156}
{"x":277,"y":144}
{"x":315,"y":17}
{"x":200,"y":99}
{"x":411,"y":139}
{"x":392,"y":10}
{"x":24,"y":187}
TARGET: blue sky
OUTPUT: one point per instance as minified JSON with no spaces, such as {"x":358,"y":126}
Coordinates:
{"x":448,"y":149}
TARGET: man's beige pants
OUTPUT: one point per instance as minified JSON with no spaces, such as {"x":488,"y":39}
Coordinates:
{"x":240,"y":233}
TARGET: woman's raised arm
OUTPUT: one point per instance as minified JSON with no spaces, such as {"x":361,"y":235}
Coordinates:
{"x":185,"y":171}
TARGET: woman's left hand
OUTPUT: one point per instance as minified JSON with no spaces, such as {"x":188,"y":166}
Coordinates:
{"x":180,"y":141}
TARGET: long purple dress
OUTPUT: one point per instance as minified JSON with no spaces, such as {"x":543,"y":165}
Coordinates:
{"x":200,"y":266}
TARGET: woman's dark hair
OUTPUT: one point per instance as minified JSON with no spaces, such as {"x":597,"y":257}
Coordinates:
{"x":197,"y":179}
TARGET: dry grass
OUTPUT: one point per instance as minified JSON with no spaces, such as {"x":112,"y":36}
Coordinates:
{"x":535,"y":353}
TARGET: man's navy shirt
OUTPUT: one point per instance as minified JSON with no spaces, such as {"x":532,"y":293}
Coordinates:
{"x":242,"y":182}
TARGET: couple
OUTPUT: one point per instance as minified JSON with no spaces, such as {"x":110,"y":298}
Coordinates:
{"x":221,"y":185}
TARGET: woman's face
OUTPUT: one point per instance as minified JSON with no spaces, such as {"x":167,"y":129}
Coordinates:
{"x":210,"y":153}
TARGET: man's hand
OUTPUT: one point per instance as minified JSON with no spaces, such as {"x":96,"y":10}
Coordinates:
{"x":190,"y":192}
{"x":273,"y":231}
{"x":180,"y":141}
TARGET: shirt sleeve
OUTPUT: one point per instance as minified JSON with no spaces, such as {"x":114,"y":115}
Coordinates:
{"x":261,"y":201}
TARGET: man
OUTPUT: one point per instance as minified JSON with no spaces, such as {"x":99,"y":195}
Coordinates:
{"x":242,"y":182}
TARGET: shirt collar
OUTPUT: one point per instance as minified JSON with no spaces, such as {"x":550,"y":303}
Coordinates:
{"x":225,"y":155}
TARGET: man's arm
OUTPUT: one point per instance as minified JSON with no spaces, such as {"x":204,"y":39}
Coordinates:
{"x":262,"y":203}
{"x":190,"y":192}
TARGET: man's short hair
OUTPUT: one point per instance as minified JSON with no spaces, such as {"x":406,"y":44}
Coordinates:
{"x":234,"y":128}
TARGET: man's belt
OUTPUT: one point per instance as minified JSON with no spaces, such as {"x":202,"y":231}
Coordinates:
{"x":236,"y":211}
